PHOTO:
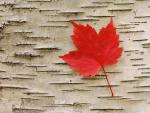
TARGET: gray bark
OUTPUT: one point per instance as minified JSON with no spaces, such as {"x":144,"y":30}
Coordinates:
{"x":34,"y":80}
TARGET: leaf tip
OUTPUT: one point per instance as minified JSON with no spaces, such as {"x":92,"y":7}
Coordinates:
{"x":61,"y":57}
{"x":111,"y":21}
{"x":72,"y":22}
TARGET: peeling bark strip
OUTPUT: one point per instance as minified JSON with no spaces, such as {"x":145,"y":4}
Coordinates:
{"x":33,"y":33}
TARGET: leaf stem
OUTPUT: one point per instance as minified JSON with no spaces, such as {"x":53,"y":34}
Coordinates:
{"x":110,"y":87}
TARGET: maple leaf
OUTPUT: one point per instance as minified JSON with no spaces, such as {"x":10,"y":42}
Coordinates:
{"x":94,"y":50}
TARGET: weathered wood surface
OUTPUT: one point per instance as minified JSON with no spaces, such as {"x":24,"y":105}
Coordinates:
{"x":34,"y":80}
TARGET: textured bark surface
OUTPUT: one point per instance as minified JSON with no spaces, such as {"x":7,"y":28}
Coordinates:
{"x":33,"y":33}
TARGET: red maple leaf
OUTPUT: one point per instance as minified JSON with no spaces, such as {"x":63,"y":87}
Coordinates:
{"x":94,"y":50}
